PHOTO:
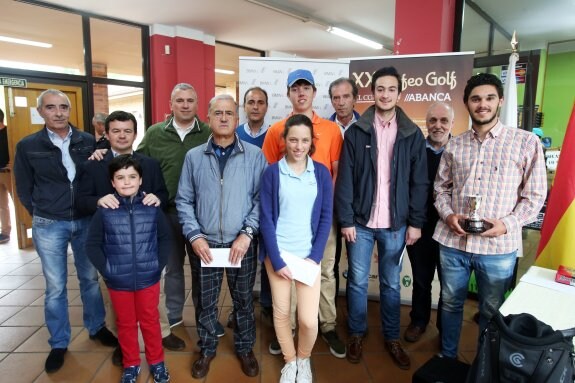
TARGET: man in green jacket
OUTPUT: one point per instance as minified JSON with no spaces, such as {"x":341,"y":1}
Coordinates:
{"x":168,"y":142}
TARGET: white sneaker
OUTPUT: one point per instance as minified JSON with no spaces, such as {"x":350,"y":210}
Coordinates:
{"x":289,"y":372}
{"x":303,"y":371}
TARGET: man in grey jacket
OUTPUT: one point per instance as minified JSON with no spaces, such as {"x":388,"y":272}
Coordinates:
{"x":218,"y":207}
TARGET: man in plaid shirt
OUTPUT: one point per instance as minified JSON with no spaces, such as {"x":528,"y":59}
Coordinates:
{"x":506,"y":167}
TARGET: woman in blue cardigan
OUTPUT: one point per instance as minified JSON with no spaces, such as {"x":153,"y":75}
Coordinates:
{"x":295,"y":216}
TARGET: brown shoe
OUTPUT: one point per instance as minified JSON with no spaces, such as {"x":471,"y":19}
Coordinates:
{"x":398,"y":354}
{"x":201,"y":366}
{"x":354,"y":349}
{"x":249,"y":363}
{"x":413,"y":333}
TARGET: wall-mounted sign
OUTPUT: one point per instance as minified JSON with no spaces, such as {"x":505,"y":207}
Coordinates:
{"x":551,"y":159}
{"x":13,"y":82}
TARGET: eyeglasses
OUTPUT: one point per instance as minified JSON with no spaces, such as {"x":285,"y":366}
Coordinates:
{"x":219,"y":114}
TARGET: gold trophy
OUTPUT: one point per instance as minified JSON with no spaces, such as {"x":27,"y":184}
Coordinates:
{"x":474,"y":224}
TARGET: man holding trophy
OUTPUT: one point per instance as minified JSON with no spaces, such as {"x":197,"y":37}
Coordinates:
{"x":491,"y":181}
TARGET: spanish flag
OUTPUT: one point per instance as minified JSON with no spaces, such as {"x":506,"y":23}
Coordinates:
{"x":557,"y":244}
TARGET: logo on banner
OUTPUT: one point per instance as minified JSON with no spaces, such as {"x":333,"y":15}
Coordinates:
{"x":431,"y":79}
{"x":406,"y":281}
{"x":362,"y":79}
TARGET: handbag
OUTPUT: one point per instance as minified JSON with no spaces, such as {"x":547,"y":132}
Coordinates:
{"x":519,"y":348}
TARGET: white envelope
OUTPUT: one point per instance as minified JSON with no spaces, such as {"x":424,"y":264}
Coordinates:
{"x":220,"y":258}
{"x":301,"y":270}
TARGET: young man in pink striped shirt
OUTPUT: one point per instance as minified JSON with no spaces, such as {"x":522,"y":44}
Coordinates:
{"x":505,"y":166}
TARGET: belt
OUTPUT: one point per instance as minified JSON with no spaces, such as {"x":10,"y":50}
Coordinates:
{"x":5,"y":170}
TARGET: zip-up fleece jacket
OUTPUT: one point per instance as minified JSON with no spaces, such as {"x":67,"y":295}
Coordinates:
{"x":217,"y":206}
{"x":129,"y":245}
{"x":357,"y":174}
{"x":42,"y":182}
{"x":162,"y":143}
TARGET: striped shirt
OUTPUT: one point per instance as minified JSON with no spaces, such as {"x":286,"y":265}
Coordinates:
{"x":507,"y":170}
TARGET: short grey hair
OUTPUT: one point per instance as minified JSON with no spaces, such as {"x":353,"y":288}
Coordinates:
{"x":40,"y":100}
{"x":99,"y":117}
{"x":182,"y":86}
{"x":444,"y":104}
{"x":221,"y":97}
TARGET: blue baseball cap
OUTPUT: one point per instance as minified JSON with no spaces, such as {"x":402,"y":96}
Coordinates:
{"x":300,"y":74}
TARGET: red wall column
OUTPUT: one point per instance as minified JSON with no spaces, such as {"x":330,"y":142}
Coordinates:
{"x":424,"y":26}
{"x":180,"y":55}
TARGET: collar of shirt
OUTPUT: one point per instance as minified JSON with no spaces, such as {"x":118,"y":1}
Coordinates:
{"x":221,"y":151}
{"x":345,"y":127}
{"x":116,"y":154}
{"x":183,"y":131}
{"x":493,"y":132}
{"x":55,"y":137}
{"x":315,"y":119}
{"x":432,"y":148}
{"x":380,"y":123}
{"x":285,"y":169}
{"x":262,"y":130}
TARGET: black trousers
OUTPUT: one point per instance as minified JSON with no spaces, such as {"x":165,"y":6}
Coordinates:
{"x":424,"y":258}
{"x":338,"y":248}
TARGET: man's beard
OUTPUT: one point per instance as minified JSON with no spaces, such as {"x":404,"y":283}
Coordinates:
{"x":484,"y":122}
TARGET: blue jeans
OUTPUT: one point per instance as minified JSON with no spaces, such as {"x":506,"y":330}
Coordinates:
{"x":390,"y":245}
{"x":493,"y":274}
{"x":51,"y":238}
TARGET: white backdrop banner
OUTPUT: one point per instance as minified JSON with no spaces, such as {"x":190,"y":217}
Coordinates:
{"x":271,"y":73}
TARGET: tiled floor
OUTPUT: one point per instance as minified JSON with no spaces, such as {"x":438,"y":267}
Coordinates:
{"x":24,"y":347}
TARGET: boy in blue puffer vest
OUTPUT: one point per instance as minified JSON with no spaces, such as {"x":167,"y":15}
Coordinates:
{"x":129,"y":247}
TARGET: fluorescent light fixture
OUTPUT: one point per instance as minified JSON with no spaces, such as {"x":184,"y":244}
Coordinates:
{"x":25,"y":42}
{"x":283,"y":11}
{"x":224,"y":71}
{"x":353,"y":37}
{"x":40,"y":67}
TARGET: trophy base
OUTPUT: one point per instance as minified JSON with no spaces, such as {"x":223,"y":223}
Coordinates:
{"x":474,"y":227}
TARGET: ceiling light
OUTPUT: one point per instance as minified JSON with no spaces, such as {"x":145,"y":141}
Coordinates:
{"x":224,"y":71}
{"x":25,"y":42}
{"x":283,"y":11}
{"x":353,"y":37}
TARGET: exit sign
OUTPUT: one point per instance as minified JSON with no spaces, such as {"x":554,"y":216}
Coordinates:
{"x":13,"y":82}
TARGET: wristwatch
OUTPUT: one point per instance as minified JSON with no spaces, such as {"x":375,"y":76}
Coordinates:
{"x":249,"y":231}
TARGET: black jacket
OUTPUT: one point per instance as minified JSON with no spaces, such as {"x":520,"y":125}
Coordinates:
{"x":433,"y":159}
{"x":41,"y":179}
{"x":129,"y":245}
{"x":357,"y":174}
{"x":94,"y":182}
